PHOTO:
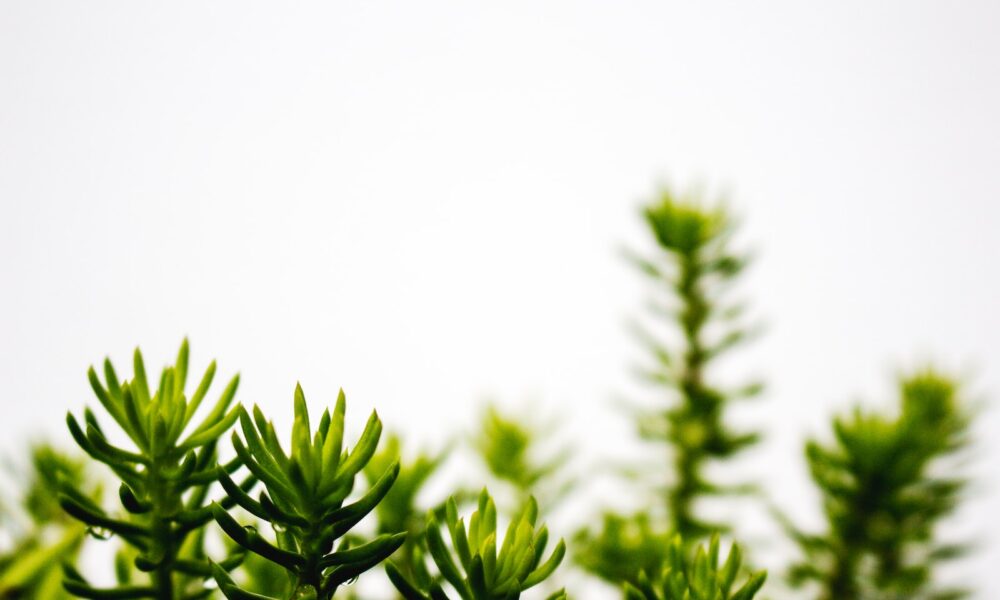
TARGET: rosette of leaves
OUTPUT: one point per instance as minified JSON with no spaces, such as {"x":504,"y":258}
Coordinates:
{"x":165,"y":476}
{"x":473,"y":566}
{"x":886,"y":482}
{"x":701,"y":578}
{"x":303,"y":500}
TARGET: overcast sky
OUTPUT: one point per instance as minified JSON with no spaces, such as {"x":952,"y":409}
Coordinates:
{"x":424,"y":202}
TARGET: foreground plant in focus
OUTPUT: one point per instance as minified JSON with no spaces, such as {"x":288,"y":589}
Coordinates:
{"x":304,"y":501}
{"x":165,"y":476}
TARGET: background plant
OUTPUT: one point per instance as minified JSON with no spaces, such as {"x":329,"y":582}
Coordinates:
{"x":44,"y":536}
{"x":695,"y":266}
{"x":883,"y":496}
{"x":165,"y":477}
{"x":513,"y":450}
{"x":304,"y":501}
{"x":400,"y":508}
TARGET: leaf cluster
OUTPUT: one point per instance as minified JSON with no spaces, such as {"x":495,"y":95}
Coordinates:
{"x":882,"y":497}
{"x":165,"y":475}
{"x":700,"y":578}
{"x":304,"y":497}
{"x":479,"y":566}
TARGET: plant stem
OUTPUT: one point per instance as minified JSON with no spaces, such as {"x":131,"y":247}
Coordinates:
{"x":162,"y":533}
{"x":687,"y":419}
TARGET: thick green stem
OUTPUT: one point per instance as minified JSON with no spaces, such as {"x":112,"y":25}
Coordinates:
{"x":162,"y":533}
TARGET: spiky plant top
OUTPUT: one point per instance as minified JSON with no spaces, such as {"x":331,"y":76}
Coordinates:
{"x":473,"y":566}
{"x":700,"y":578}
{"x":304,"y":497}
{"x":164,"y":476}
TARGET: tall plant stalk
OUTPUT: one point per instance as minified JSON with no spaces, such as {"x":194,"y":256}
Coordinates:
{"x":695,"y":266}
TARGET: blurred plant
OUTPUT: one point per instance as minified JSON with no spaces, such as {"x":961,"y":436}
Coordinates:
{"x":882,"y":498}
{"x":696,"y":266}
{"x":31,"y":568}
{"x":473,"y":567}
{"x":399,"y":511}
{"x":304,"y":501}
{"x":510,"y":448}
{"x":262,"y":577}
{"x":165,"y":478}
{"x":697,"y":579}
{"x":625,"y":547}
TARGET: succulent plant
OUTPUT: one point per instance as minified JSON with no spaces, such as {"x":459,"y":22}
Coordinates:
{"x":479,"y":566}
{"x":165,"y":475}
{"x":304,"y":500}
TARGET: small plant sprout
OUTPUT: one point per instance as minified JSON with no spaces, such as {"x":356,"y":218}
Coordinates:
{"x":699,"y":579}
{"x":304,"y":501}
{"x":473,"y":566}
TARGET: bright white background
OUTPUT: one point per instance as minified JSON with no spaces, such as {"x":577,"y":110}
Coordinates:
{"x":423,"y":202}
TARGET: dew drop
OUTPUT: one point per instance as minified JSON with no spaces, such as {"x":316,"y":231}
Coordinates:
{"x":100,"y":533}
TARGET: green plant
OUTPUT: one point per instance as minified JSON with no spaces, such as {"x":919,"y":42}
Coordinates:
{"x":695,"y":266}
{"x":511,"y":450}
{"x":473,"y":566}
{"x":304,"y":501}
{"x":626,"y":546}
{"x":398,"y":510}
{"x":31,"y":568}
{"x":882,"y":497}
{"x":165,"y":477}
{"x":700,"y":578}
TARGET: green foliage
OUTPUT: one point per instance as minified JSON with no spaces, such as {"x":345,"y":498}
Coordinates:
{"x":473,"y":566}
{"x":511,"y":450}
{"x":399,"y":511}
{"x":50,"y":469}
{"x":31,"y":569}
{"x":165,"y":477}
{"x":695,"y":266}
{"x":882,"y":498}
{"x":304,"y":501}
{"x":698,"y":579}
{"x":625,"y":546}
